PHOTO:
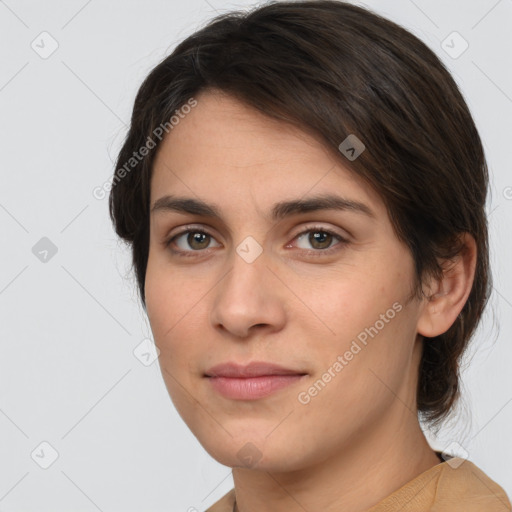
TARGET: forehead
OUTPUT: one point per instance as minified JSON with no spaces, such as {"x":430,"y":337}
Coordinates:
{"x":224,"y":148}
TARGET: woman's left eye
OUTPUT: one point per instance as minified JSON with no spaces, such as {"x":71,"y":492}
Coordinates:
{"x":319,"y":240}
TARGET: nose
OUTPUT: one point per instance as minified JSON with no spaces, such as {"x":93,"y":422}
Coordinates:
{"x":249,"y":299}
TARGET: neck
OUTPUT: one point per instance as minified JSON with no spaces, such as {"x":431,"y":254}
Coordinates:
{"x":355,"y":477}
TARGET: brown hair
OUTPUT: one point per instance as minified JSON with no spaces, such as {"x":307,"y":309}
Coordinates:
{"x":337,"y":69}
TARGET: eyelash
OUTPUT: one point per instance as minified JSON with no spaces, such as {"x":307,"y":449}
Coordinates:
{"x":311,"y":252}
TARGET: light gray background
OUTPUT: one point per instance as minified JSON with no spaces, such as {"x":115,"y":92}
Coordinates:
{"x":68,"y":373}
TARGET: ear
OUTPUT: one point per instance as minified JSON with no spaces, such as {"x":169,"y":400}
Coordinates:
{"x":446,"y":297}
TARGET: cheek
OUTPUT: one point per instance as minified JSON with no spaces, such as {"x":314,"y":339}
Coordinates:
{"x":176,"y":314}
{"x":170,"y":296}
{"x":342,"y":304}
{"x":355,"y":381}
{"x":363,"y":320}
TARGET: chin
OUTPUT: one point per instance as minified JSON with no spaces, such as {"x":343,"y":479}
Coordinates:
{"x":257,"y":453}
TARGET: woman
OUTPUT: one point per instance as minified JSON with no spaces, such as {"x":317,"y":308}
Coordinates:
{"x":303,"y":188}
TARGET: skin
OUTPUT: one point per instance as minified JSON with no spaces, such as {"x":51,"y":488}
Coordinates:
{"x":358,"y":439}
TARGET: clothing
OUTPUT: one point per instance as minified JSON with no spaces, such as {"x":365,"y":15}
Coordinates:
{"x":455,"y":485}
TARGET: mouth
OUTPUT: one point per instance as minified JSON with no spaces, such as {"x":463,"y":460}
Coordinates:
{"x":253,"y":381}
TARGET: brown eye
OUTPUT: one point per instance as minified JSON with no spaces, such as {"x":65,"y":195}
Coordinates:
{"x":317,"y":239}
{"x":190,"y":241}
{"x":198,"y":240}
{"x":320,"y":239}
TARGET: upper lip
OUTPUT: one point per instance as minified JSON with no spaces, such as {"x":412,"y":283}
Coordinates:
{"x":253,"y":369}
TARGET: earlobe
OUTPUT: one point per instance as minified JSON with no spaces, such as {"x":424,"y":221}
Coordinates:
{"x":447,"y":296}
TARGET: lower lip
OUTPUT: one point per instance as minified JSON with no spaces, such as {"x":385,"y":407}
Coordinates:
{"x":251,"y":388}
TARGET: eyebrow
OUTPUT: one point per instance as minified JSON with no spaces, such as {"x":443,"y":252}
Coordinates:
{"x":279,"y":211}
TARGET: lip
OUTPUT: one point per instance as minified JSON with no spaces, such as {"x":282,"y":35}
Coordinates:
{"x":253,"y":381}
{"x":253,"y":369}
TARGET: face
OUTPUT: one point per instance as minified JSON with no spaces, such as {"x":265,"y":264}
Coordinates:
{"x":320,"y":289}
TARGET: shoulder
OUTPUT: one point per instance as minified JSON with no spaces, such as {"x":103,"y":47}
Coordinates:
{"x":464,"y":486}
{"x":456,"y":485}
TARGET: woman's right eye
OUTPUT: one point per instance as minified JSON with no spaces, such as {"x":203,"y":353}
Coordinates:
{"x":191,"y":240}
